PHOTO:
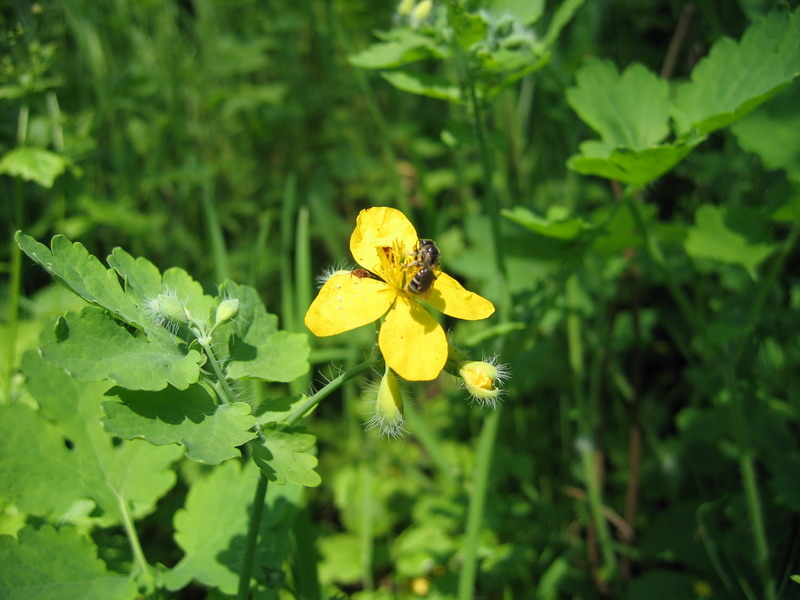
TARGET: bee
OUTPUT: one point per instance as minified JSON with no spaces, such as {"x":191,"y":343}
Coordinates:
{"x":426,"y":257}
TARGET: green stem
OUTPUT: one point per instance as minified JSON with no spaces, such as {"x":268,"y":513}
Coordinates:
{"x":139,"y":560}
{"x":228,"y":395}
{"x":15,"y":260}
{"x":309,"y":403}
{"x":655,"y":254}
{"x":750,"y":484}
{"x":257,"y":510}
{"x":483,"y":462}
{"x":491,"y":198}
{"x":587,"y":419}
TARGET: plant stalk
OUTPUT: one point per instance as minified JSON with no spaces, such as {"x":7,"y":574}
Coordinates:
{"x":139,"y":560}
{"x":309,"y":403}
{"x":483,"y":462}
{"x":257,"y":510}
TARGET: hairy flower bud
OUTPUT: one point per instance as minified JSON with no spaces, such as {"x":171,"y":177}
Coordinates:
{"x":483,"y":379}
{"x":388,"y":417}
{"x":167,"y":309}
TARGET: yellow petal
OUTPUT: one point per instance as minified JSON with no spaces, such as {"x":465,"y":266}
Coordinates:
{"x":346,"y":302}
{"x":376,"y":228}
{"x":450,"y":297}
{"x":412,"y":342}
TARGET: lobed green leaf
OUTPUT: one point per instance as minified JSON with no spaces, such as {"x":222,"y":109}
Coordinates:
{"x":92,"y":346}
{"x":33,"y":164}
{"x":212,"y":528}
{"x":68,"y":456}
{"x":210,"y":433}
{"x":283,"y":455}
{"x":251,"y":344}
{"x":554,"y":225}
{"x":81,"y":272}
{"x":423,"y":84}
{"x":629,"y":110}
{"x":711,"y":238}
{"x":50,"y":564}
{"x":405,"y":46}
{"x":735,"y":78}
{"x":636,"y":168}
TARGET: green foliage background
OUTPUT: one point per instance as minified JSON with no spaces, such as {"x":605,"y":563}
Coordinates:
{"x":621,"y":178}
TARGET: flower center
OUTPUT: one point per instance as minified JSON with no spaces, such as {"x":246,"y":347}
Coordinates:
{"x":393,"y":262}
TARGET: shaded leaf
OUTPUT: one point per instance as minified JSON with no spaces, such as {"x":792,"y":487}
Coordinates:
{"x":50,"y":564}
{"x":209,"y":432}
{"x":711,"y":238}
{"x":773,"y":133}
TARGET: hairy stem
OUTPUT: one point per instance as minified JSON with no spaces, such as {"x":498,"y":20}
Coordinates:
{"x":309,"y":403}
{"x":228,"y":394}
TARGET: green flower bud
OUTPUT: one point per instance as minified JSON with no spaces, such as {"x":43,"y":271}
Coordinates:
{"x":388,"y":417}
{"x":166,"y":308}
{"x":227,"y":310}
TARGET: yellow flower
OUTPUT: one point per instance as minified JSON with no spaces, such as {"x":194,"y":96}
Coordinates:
{"x":411,"y":340}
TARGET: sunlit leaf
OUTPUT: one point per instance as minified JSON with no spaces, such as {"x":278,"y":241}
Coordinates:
{"x":736,"y":77}
{"x":636,"y":168}
{"x":628,"y":110}
{"x":50,"y":564}
{"x":210,"y":432}
{"x":33,"y":164}
{"x":557,"y":226}
{"x":525,"y":12}
{"x":69,"y":457}
{"x":92,"y":346}
{"x":212,"y":528}
{"x":81,"y":272}
{"x":404,"y":47}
